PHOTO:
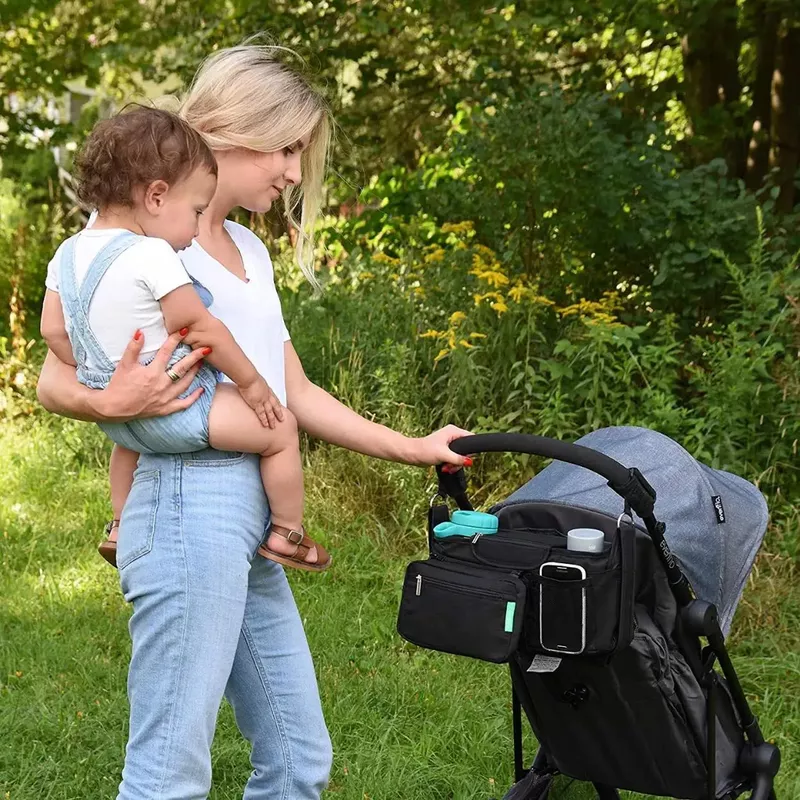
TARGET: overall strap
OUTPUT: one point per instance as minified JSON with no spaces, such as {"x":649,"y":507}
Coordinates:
{"x":81,"y":333}
{"x":70,"y":302}
{"x":108,"y":254}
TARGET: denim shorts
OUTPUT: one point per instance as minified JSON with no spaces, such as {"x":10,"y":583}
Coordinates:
{"x":184,"y":431}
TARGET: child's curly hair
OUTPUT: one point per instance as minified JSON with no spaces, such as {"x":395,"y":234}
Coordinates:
{"x":134,"y":148}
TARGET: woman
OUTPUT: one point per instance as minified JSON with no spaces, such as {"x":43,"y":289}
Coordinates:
{"x":210,"y":618}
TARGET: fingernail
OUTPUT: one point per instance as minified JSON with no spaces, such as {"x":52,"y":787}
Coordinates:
{"x":183,"y":331}
{"x":206,"y":351}
{"x":467,"y":462}
{"x":137,"y":335}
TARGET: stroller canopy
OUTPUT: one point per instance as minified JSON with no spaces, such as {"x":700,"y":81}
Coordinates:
{"x":715,"y":521}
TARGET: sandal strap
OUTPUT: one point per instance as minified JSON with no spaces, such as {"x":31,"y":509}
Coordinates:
{"x":295,"y":537}
{"x":303,"y":543}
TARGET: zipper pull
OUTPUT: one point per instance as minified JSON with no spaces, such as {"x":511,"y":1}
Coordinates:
{"x":419,"y":585}
{"x":476,"y":537}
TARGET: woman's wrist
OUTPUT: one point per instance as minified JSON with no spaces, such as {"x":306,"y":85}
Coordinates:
{"x":408,"y":450}
{"x":103,"y":406}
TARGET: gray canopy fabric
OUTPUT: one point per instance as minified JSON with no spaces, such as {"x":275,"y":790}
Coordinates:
{"x":715,"y":521}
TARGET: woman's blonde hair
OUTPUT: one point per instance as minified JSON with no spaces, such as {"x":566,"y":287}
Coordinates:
{"x":246,"y":96}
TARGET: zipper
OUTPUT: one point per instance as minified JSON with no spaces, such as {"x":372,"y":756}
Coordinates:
{"x":455,"y":587}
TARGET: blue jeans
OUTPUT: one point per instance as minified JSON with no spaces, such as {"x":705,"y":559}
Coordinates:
{"x":210,"y":619}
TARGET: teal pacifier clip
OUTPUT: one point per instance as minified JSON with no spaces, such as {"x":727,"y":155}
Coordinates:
{"x":467,"y":523}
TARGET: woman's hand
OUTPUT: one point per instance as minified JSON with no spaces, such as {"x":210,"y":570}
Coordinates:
{"x":134,"y":391}
{"x":137,"y":391}
{"x":433,"y":448}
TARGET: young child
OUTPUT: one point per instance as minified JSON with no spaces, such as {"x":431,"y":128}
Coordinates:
{"x":150,"y":176}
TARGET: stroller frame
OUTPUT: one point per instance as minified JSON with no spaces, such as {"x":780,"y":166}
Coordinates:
{"x":759,"y":760}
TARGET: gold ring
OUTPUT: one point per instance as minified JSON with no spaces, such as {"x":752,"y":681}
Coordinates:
{"x":173,"y":376}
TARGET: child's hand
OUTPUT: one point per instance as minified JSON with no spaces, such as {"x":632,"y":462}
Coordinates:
{"x":263,"y":401}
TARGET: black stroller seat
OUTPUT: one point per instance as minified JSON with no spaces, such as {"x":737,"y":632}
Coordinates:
{"x":604,"y":647}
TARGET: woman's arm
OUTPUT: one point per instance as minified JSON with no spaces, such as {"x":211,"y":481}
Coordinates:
{"x":135,"y":391}
{"x":324,"y":417}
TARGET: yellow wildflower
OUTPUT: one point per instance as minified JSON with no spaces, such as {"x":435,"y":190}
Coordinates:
{"x":443,"y":353}
{"x":496,"y":296}
{"x":382,"y":258}
{"x":477,"y":336}
{"x":491,"y":276}
{"x":456,"y":317}
{"x":435,"y":256}
{"x":499,"y":307}
{"x":365,"y":276}
{"x":458,"y":227}
{"x":484,"y":252}
{"x":517,"y":292}
{"x":464,"y":343}
{"x":430,"y":334}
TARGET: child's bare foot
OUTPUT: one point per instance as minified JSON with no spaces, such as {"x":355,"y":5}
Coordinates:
{"x":294,"y":548}
{"x":108,"y":548}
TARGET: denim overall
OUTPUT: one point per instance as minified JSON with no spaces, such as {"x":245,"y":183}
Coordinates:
{"x":182,"y":432}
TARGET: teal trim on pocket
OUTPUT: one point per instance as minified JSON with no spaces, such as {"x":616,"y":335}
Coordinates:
{"x":510,"y":609}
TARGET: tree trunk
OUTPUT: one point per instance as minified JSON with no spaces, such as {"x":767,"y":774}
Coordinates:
{"x":712,"y":88}
{"x":766,"y":23}
{"x":785,"y":133}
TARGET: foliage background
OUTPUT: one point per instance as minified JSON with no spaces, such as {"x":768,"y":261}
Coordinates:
{"x":545,"y":218}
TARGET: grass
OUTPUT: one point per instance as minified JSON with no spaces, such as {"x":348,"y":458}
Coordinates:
{"x":405,"y":723}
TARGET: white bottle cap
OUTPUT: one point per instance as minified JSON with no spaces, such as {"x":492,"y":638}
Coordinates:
{"x":585,"y":540}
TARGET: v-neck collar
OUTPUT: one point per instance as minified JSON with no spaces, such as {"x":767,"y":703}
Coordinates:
{"x":248,"y":278}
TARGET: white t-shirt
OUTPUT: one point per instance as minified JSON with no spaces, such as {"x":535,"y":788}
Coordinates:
{"x":251,"y":310}
{"x":127,"y":296}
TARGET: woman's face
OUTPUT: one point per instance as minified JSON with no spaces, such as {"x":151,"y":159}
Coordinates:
{"x":255,"y":180}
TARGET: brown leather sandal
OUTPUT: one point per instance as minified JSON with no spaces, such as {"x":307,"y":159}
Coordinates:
{"x":303,"y":545}
{"x":108,"y":548}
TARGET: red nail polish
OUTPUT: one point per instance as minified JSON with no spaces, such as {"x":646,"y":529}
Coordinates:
{"x":183,"y":331}
{"x":206,"y":351}
{"x":137,"y":335}
{"x":467,"y":462}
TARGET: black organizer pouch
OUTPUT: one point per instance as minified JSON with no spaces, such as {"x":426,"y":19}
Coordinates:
{"x":462,"y":609}
{"x":605,"y":596}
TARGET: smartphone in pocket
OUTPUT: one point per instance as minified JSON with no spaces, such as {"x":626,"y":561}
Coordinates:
{"x":562,"y":608}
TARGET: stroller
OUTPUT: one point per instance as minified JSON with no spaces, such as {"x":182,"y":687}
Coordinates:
{"x":604,"y":644}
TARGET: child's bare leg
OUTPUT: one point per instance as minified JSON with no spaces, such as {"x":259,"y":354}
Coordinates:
{"x":120,"y":476}
{"x":233,"y":425}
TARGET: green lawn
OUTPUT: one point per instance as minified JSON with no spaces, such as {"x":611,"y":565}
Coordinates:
{"x":405,"y":723}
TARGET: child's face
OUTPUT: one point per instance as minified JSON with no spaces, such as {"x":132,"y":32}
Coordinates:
{"x":174,"y":211}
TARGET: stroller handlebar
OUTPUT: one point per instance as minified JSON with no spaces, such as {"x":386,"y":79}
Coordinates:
{"x":628,"y":483}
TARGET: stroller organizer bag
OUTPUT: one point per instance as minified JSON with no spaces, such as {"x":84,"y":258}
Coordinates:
{"x":521,"y":587}
{"x":602,"y":639}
